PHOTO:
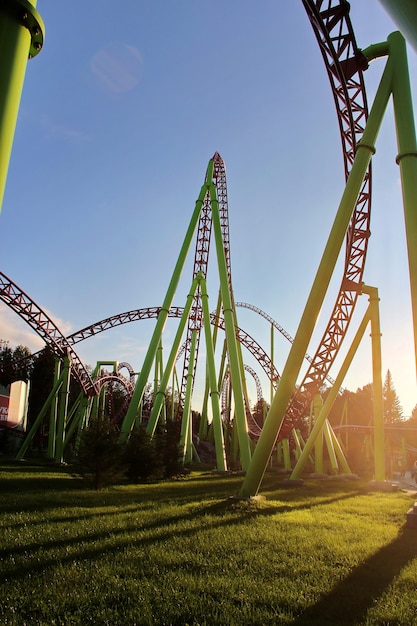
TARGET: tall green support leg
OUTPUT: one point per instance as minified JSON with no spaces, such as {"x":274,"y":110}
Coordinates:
{"x":229,"y":321}
{"x":288,"y":380}
{"x":53,"y":416}
{"x":407,"y":157}
{"x":132,"y":411}
{"x":186,"y":426}
{"x":286,"y":454}
{"x":343,"y":464}
{"x":21,"y":37}
{"x":334,"y":467}
{"x":214,"y":390}
{"x":159,"y":394}
{"x":318,"y":446}
{"x":377,"y":388}
{"x":32,"y":432}
{"x":62,"y":412}
{"x":322,"y":417}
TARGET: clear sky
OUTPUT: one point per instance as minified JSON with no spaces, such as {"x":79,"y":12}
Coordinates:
{"x":121,"y":112}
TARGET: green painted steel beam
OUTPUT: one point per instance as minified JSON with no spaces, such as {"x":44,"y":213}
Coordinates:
{"x":230,"y":328}
{"x":331,"y":397}
{"x":159,"y":394}
{"x":404,"y":14}
{"x":292,"y":367}
{"x":213,"y":387}
{"x":142,"y":380}
{"x":377,"y":389}
{"x":21,"y":37}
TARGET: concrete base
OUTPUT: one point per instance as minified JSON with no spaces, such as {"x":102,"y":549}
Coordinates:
{"x":383,"y":485}
{"x":412,"y":516}
{"x":295,"y":482}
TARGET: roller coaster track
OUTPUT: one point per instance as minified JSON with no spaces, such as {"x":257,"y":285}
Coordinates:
{"x":42,"y":324}
{"x":152,"y":313}
{"x":344,"y":63}
{"x":201,"y":258}
{"x":278,"y":327}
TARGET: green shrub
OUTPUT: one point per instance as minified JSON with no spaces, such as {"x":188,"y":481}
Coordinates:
{"x":143,"y":458}
{"x":101,"y":455}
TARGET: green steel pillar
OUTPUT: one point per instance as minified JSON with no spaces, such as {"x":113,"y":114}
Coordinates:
{"x":132,"y":411}
{"x":232,"y":348}
{"x":186,"y":426}
{"x":289,"y":376}
{"x":404,"y":13}
{"x":214,"y":390}
{"x":407,"y":157}
{"x":21,"y":37}
{"x":53,"y":415}
{"x":330,"y":448}
{"x":321,"y":418}
{"x":38,"y":421}
{"x":377,"y":388}
{"x":343,"y":464}
{"x":62,"y":412}
{"x":271,"y":387}
{"x":159,"y":394}
{"x":318,"y":446}
{"x":286,"y":453}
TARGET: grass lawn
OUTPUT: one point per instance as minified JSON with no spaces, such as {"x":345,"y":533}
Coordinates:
{"x":182,"y":552}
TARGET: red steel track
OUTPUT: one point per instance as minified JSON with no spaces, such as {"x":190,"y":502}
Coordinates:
{"x":344,"y":64}
{"x":42,"y":324}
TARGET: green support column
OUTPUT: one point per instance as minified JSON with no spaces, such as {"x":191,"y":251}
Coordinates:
{"x":330,"y":448}
{"x":186,"y":426}
{"x":232,"y":348}
{"x":159,"y":396}
{"x":62,"y":411}
{"x":318,"y":446}
{"x":53,"y":414}
{"x":407,"y":158}
{"x":331,"y":397}
{"x":404,"y":13}
{"x":21,"y":37}
{"x":47,"y":405}
{"x":343,"y":464}
{"x":377,"y":388}
{"x":288,"y":380}
{"x":213,"y":387}
{"x":131,"y":414}
{"x":286,"y":454}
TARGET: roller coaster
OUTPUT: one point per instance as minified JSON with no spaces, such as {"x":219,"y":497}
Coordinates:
{"x":345,"y":64}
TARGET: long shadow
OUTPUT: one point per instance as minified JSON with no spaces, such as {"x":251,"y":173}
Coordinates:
{"x":348,"y":602}
{"x":157,"y":529}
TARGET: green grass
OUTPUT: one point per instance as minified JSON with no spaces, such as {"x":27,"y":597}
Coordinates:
{"x":182,"y":552}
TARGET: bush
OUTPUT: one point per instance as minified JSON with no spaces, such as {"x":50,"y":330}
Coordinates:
{"x":100,"y":454}
{"x":143,"y":457}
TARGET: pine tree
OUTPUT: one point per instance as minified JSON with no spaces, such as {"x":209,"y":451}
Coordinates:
{"x":393,"y":411}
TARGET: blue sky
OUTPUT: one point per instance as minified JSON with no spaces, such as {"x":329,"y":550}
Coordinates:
{"x":121,"y":112}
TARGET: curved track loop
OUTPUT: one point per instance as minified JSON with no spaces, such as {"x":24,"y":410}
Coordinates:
{"x":152,"y":312}
{"x":253,"y":427}
{"x":344,"y":64}
{"x":42,"y":324}
{"x":201,"y":257}
{"x":278,"y":327}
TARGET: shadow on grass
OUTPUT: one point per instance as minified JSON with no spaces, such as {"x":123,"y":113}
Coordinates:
{"x":90,"y":546}
{"x":350,"y":599}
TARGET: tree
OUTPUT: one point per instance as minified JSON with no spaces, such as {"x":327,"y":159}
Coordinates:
{"x":259,"y":411}
{"x":393,"y":411}
{"x":15,"y":363}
